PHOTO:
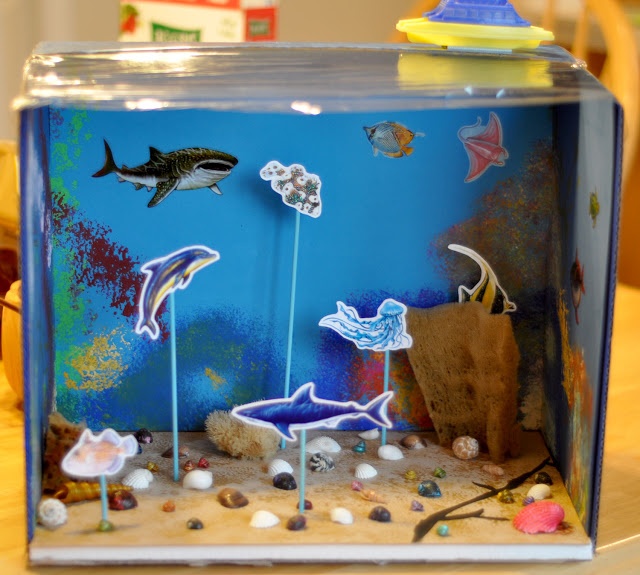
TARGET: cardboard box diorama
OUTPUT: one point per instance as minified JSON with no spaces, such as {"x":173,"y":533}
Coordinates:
{"x":198,"y":20}
{"x":283,"y":297}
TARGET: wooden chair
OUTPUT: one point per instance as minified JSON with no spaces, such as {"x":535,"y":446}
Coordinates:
{"x":621,"y":75}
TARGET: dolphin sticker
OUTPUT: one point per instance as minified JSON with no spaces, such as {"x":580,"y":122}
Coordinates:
{"x":303,"y":410}
{"x":164,"y":276}
{"x":186,"y":169}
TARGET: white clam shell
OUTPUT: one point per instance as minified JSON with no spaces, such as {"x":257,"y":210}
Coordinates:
{"x":138,"y":479}
{"x":540,"y":491}
{"x":389,"y":452}
{"x":341,"y":515}
{"x":370,"y":434}
{"x":52,"y":513}
{"x":465,"y":447}
{"x":365,"y":471}
{"x":198,"y":479}
{"x":322,"y":443}
{"x":263,"y":519}
{"x":279,"y":466}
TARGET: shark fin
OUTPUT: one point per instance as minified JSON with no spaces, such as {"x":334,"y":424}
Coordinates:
{"x":283,"y":429}
{"x":215,"y":189}
{"x":155,"y":154}
{"x":303,"y":395}
{"x":138,"y":186}
{"x":109,"y":163}
{"x":163,"y":189}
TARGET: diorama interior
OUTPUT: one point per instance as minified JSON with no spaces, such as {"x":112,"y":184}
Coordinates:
{"x":427,"y":236}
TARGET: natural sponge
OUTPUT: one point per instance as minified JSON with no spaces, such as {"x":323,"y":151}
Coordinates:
{"x":240,"y":439}
{"x":466,"y":363}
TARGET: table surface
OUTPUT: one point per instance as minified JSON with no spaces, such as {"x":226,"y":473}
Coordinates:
{"x":618,"y":548}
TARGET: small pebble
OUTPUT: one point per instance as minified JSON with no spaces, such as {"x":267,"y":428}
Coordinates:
{"x":169,"y":506}
{"x":143,"y":435}
{"x":443,"y":530}
{"x":356,"y":485}
{"x":105,"y":526}
{"x":543,"y":477}
{"x":194,"y":523}
{"x":416,"y":506}
{"x":307,"y":505}
{"x":297,"y":523}
{"x":284,"y":481}
{"x":429,"y":488}
{"x":380,"y":514}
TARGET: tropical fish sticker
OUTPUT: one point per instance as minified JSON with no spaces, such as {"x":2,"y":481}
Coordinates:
{"x":391,"y":139}
{"x":483,"y":145}
{"x":304,"y":410}
{"x":186,"y":169}
{"x":298,"y":188}
{"x":594,"y":207}
{"x":102,"y":454}
{"x":576,"y":276}
{"x":164,"y":276}
{"x":487,"y":291}
{"x":386,"y":331}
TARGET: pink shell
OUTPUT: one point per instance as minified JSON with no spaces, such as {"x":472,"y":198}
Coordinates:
{"x":539,"y":517}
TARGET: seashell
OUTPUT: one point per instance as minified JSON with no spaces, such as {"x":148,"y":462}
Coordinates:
{"x":439,"y":472}
{"x":143,"y":436}
{"x":371,"y":495}
{"x":74,"y":491}
{"x":183,"y":451}
{"x":203,"y":463}
{"x":505,"y":496}
{"x":297,"y":523}
{"x":465,"y":447}
{"x":263,"y":519}
{"x":122,"y":500}
{"x":307,"y":505}
{"x":341,"y":515}
{"x":370,"y":434}
{"x":443,"y":530}
{"x":138,"y":479}
{"x":494,"y":470}
{"x":322,"y":443}
{"x":539,"y":491}
{"x":365,"y":471}
{"x":528,"y":500}
{"x":153,"y":467}
{"x":321,"y":462}
{"x":381,"y":514}
{"x":543,"y":477}
{"x":198,"y":479}
{"x":539,"y":517}
{"x":52,"y":513}
{"x":412,"y":442}
{"x":410,"y":475}
{"x":189,"y":465}
{"x":356,"y":485}
{"x":284,"y":481}
{"x":360,"y":447}
{"x":232,"y":498}
{"x":279,"y":466}
{"x":416,"y":506}
{"x":169,"y":506}
{"x":194,"y":523}
{"x":389,"y":452}
{"x":429,"y":488}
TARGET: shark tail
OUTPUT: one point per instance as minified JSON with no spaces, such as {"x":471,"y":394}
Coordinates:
{"x":376,"y":410}
{"x":109,"y":163}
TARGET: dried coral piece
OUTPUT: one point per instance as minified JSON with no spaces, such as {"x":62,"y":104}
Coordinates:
{"x":465,"y":447}
{"x":539,"y":517}
{"x":240,"y":439}
{"x":61,"y":436}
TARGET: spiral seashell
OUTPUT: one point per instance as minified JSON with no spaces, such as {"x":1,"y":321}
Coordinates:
{"x":74,"y":491}
{"x":365,"y":471}
{"x":370,"y":434}
{"x":341,"y":515}
{"x":371,"y":495}
{"x":263,"y":519}
{"x":321,"y":462}
{"x":279,"y":466}
{"x":539,"y":517}
{"x":138,"y":479}
{"x":52,"y":513}
{"x":322,"y":443}
{"x":198,"y":479}
{"x":539,"y":491}
{"x":389,"y":452}
{"x":412,"y":442}
{"x":465,"y":447}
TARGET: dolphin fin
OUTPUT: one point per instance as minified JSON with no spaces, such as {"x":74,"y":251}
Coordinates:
{"x":163,"y":189}
{"x":215,"y":189}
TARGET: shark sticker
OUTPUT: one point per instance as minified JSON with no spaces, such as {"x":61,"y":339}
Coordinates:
{"x":186,"y":169}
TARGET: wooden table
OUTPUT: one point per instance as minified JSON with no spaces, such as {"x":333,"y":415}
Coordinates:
{"x":618,"y":549}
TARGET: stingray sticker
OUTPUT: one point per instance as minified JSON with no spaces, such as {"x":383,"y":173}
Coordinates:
{"x":483,"y":145}
{"x":298,"y":188}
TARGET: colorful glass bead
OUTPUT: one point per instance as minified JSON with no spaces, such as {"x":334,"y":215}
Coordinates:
{"x":439,"y":472}
{"x":505,"y":496}
{"x":360,"y":447}
{"x":443,"y":530}
{"x":429,"y":488}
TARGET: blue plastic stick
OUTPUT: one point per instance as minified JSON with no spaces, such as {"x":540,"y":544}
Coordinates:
{"x":174,"y":385}
{"x":292,"y":309}
{"x":303,"y":469}
{"x":383,"y":440}
{"x":103,"y":496}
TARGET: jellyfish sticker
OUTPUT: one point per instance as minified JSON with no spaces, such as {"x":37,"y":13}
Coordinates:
{"x":385,"y":332}
{"x":299,"y":190}
{"x":165,"y":275}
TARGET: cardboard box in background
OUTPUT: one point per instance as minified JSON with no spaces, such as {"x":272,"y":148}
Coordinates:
{"x":198,"y":20}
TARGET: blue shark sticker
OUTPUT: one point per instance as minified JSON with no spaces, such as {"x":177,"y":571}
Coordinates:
{"x":298,"y":188}
{"x":164,"y":276}
{"x":304,"y":410}
{"x":386,"y":331}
